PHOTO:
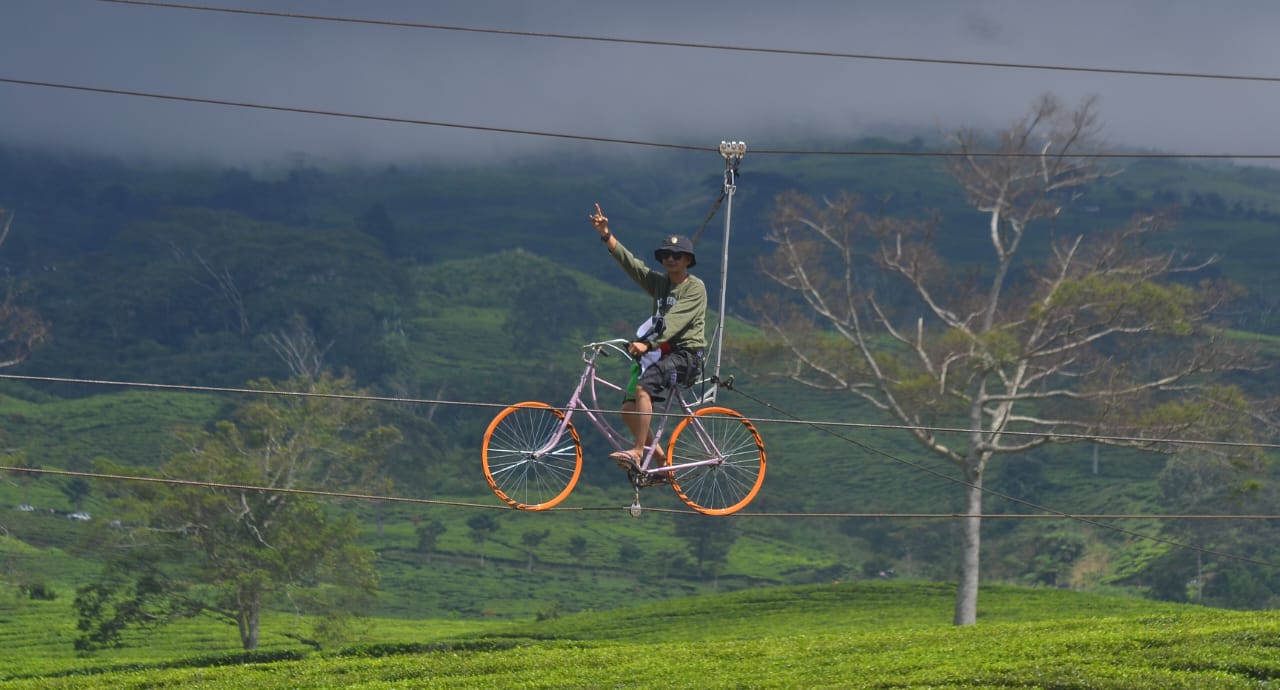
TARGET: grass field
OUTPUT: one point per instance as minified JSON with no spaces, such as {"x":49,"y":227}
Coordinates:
{"x":850,"y":635}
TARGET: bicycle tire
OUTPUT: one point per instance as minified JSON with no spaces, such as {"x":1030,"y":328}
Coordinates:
{"x":729,"y":485}
{"x":516,"y":476}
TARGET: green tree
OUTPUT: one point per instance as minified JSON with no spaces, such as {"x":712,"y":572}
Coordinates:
{"x":76,"y":489}
{"x":234,"y":547}
{"x":1054,"y":337}
{"x":531,"y":539}
{"x":709,"y":542}
{"x":482,"y":527}
{"x":25,"y":471}
{"x":577,"y":546}
{"x":1228,"y":566}
{"x":539,"y":318}
{"x":630,"y":555}
{"x":429,"y":535}
{"x":376,"y":222}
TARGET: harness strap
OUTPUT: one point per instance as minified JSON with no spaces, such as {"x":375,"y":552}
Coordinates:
{"x":730,"y":173}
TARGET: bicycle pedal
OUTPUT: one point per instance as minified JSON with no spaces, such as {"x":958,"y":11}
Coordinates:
{"x":657,"y":479}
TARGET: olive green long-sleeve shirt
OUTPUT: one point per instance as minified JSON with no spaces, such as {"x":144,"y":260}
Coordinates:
{"x":686,"y":303}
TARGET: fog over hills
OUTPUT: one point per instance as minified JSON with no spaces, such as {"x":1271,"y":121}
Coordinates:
{"x":615,"y":90}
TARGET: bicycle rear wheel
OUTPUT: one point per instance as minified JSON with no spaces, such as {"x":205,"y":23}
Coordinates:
{"x":730,"y":482}
{"x":521,"y":465}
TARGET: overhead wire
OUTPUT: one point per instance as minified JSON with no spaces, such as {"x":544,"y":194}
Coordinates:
{"x":326,"y":493}
{"x":175,"y":481}
{"x":700,"y":45}
{"x":191,"y":388}
{"x":1135,"y":155}
{"x":349,"y":115}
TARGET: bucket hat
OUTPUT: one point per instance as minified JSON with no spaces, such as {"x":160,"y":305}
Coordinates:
{"x":677,"y":243}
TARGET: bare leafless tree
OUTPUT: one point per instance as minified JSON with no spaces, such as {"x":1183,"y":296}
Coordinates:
{"x":225,"y":287}
{"x":1084,"y":336}
{"x":22,"y":329}
{"x":296,"y":345}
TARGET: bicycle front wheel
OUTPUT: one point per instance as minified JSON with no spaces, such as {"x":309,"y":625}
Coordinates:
{"x":733,"y":454}
{"x":529,"y":461}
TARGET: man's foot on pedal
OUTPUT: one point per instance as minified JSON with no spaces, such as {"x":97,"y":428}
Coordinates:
{"x":626,"y":459}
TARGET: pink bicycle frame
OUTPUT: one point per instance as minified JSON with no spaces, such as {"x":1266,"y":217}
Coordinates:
{"x":590,"y":380}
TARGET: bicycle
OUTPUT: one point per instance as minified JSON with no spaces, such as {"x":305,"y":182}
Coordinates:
{"x":532,"y":454}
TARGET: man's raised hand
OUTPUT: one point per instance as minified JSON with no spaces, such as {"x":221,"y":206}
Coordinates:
{"x":599,"y":220}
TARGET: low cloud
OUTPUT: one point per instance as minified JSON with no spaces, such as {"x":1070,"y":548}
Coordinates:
{"x":667,"y":94}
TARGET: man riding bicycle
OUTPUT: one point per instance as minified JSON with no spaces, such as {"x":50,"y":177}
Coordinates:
{"x":676,"y":333}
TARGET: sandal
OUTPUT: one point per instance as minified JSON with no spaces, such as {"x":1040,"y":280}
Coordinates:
{"x":626,"y":459}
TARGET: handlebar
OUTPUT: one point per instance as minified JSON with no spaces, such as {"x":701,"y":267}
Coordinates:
{"x":591,"y":350}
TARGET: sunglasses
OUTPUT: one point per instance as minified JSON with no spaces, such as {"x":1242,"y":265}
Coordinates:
{"x":663,"y":256}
